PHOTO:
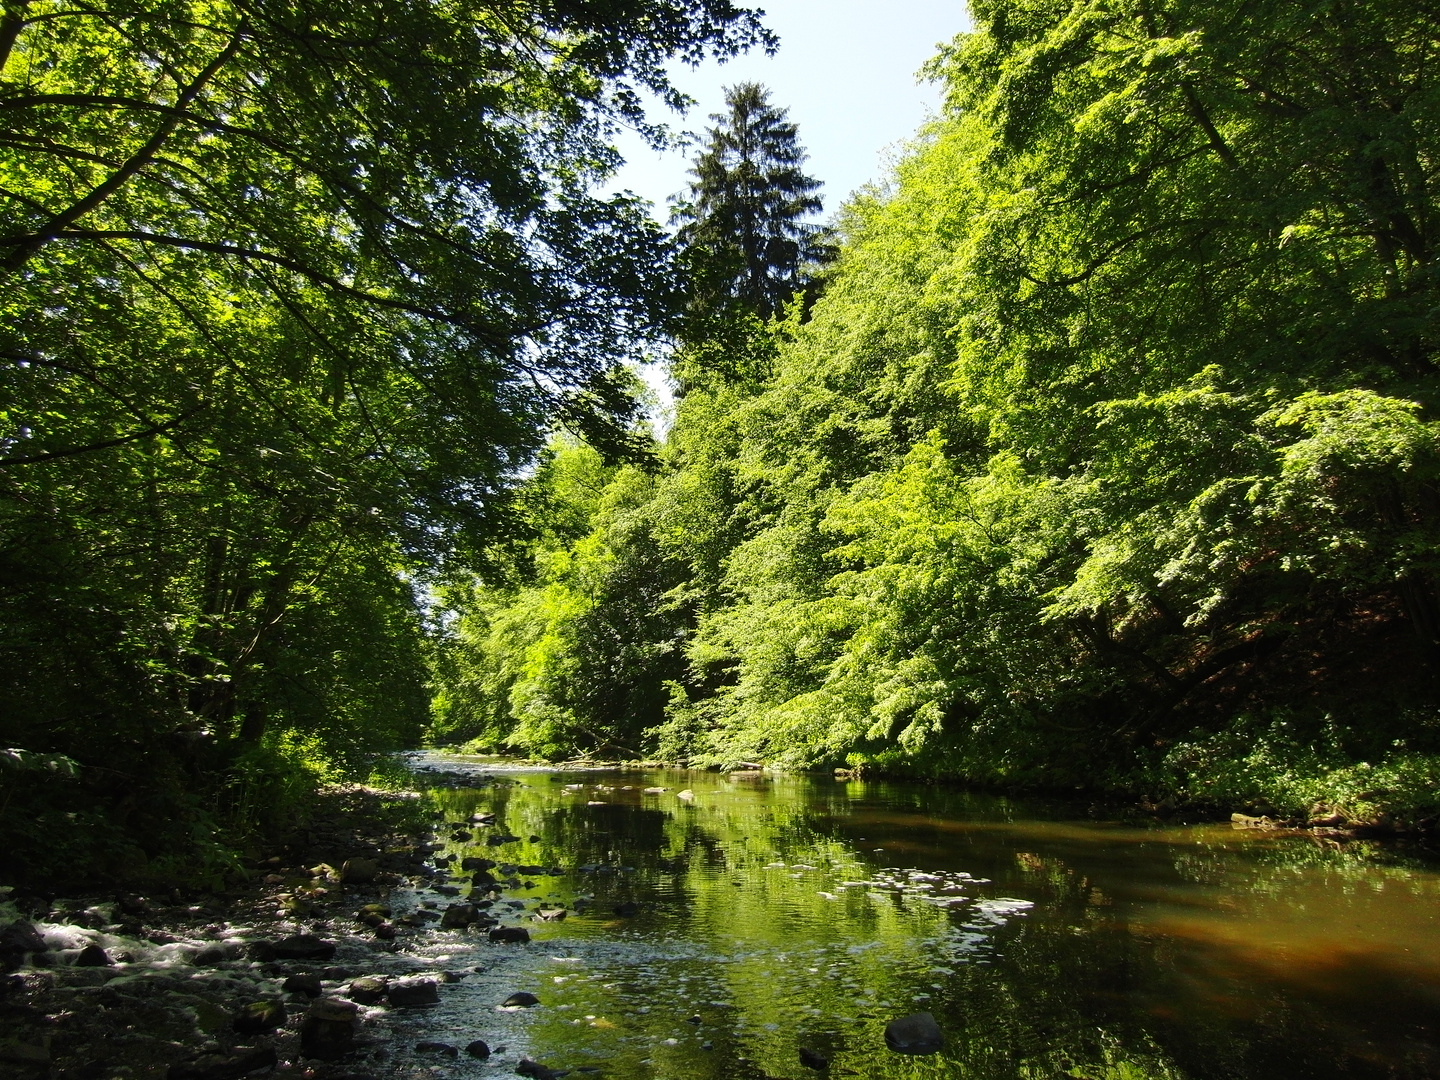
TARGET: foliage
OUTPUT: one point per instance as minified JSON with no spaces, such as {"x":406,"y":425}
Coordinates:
{"x":291,"y":296}
{"x":1112,"y":429}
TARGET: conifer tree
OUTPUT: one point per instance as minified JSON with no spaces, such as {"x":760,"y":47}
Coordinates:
{"x":744,"y":227}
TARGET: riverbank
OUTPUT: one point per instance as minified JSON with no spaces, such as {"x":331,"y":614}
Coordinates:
{"x":296,"y":969}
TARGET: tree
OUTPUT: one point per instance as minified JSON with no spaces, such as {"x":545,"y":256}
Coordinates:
{"x":291,"y":295}
{"x":745,"y":227}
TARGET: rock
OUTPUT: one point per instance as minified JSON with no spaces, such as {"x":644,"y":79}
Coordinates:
{"x":373,"y":914}
{"x":304,"y":947}
{"x":385,"y":932}
{"x":551,"y":915}
{"x":484,"y":880}
{"x":22,"y":937}
{"x":474,"y":862}
{"x":478,"y":1049}
{"x":416,"y":990}
{"x":332,"y":1008}
{"x":24,"y":1053}
{"x":914,"y":1034}
{"x":93,"y":956}
{"x":368,"y":990}
{"x":260,"y":951}
{"x":510,"y":935}
{"x":133,"y":905}
{"x":431,"y":1047}
{"x":534,"y":1070}
{"x":359,"y":871}
{"x":303,"y":983}
{"x":1245,"y":821}
{"x":242,"y":1061}
{"x":210,"y":956}
{"x":522,"y":1000}
{"x":627,"y":909}
{"x":446,"y":890}
{"x":259,"y":1016}
{"x":325,"y":1038}
{"x":687,"y":795}
{"x":459,"y":916}
{"x":811,"y":1060}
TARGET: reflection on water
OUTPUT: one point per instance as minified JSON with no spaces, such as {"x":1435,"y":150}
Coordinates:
{"x":717,"y":934}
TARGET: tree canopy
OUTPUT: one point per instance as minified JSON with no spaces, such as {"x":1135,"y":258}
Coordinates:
{"x":1108,"y":457}
{"x":292,"y":295}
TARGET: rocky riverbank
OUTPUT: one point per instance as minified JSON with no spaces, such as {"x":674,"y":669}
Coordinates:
{"x":308,"y":969}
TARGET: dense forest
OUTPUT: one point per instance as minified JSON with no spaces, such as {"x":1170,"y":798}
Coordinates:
{"x":1092,"y":449}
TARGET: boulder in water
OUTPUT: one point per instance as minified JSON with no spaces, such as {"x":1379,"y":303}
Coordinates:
{"x":368,"y":990}
{"x":917,"y":1033}
{"x":242,"y":1061}
{"x":523,"y":1000}
{"x":478,"y":1049}
{"x":259,"y":1016}
{"x":304,"y":947}
{"x":303,"y":983}
{"x":359,"y":871}
{"x":459,"y":916}
{"x":416,"y":990}
{"x":93,"y":956}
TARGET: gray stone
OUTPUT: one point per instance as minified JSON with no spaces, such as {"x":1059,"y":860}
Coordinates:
{"x":917,"y":1033}
{"x":459,"y":916}
{"x":304,"y":947}
{"x":332,"y":1008}
{"x":260,"y":1016}
{"x":242,"y":1061}
{"x":368,"y":990}
{"x":303,"y":983}
{"x":359,"y":871}
{"x":93,"y":956}
{"x":417,"y":990}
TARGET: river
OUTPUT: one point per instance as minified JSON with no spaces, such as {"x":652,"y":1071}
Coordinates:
{"x":717,"y":933}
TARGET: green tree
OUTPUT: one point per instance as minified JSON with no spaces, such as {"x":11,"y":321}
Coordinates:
{"x":746,"y":225}
{"x":291,"y":295}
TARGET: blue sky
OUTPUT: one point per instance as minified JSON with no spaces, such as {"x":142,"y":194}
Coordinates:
{"x":845,"y":70}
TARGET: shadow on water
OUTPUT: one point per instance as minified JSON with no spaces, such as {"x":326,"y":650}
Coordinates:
{"x":713,"y":936}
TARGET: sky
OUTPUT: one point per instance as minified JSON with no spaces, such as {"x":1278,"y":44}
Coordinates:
{"x":846,"y":71}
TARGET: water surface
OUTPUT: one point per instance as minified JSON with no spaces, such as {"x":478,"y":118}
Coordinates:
{"x":714,"y":936}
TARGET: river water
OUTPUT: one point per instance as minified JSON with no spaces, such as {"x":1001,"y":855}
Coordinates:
{"x":716,"y":935}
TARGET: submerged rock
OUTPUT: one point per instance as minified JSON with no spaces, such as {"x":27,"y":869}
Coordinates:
{"x":812,"y":1060}
{"x":917,"y":1033}
{"x":534,"y":1070}
{"x":429,"y":1046}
